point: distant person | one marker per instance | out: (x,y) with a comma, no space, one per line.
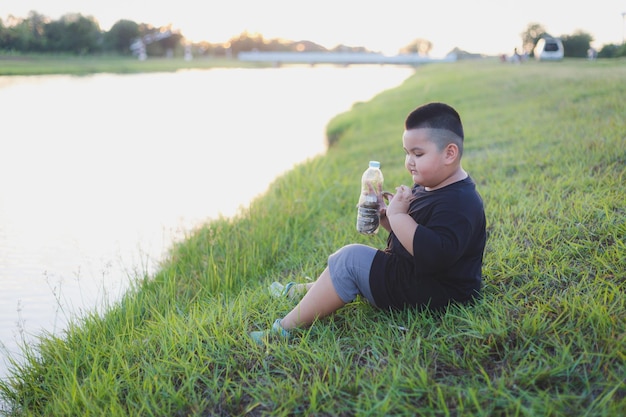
(436,242)
(592,54)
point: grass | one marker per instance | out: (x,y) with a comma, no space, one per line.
(46,64)
(546,144)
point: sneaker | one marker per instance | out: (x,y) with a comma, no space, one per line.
(279,290)
(276,330)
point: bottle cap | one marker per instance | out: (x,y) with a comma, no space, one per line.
(374,164)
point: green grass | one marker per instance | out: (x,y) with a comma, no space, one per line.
(546,143)
(46,64)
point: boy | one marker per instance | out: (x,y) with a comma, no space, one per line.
(436,242)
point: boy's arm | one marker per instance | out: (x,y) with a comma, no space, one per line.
(400,222)
(404,228)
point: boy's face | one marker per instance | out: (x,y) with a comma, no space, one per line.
(428,165)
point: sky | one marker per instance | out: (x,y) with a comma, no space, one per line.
(478,26)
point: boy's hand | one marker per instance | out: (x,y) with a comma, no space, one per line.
(383,198)
(399,203)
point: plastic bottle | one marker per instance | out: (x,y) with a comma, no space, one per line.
(368,219)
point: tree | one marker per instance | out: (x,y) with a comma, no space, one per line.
(24,34)
(84,34)
(55,35)
(36,24)
(171,43)
(612,51)
(73,33)
(120,36)
(14,35)
(161,41)
(418,46)
(576,45)
(4,35)
(246,42)
(531,35)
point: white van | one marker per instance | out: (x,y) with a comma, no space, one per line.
(548,49)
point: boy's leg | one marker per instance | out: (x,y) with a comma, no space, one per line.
(320,300)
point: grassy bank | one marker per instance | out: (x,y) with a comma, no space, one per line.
(32,64)
(546,144)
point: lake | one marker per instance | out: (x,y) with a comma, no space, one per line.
(100,174)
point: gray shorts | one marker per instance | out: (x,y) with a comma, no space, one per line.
(350,272)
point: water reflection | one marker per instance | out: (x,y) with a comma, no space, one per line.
(99,174)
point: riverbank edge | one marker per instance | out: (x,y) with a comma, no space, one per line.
(44,64)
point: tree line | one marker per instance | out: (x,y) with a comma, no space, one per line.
(77,34)
(81,35)
(575,45)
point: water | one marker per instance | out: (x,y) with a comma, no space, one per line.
(100,174)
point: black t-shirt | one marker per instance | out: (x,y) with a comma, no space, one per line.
(448,248)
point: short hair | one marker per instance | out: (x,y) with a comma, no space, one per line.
(438,116)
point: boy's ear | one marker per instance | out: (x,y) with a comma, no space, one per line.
(451,152)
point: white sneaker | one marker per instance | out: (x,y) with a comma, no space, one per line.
(279,290)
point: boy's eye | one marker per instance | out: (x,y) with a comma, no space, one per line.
(416,154)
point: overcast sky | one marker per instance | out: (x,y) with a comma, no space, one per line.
(482,26)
